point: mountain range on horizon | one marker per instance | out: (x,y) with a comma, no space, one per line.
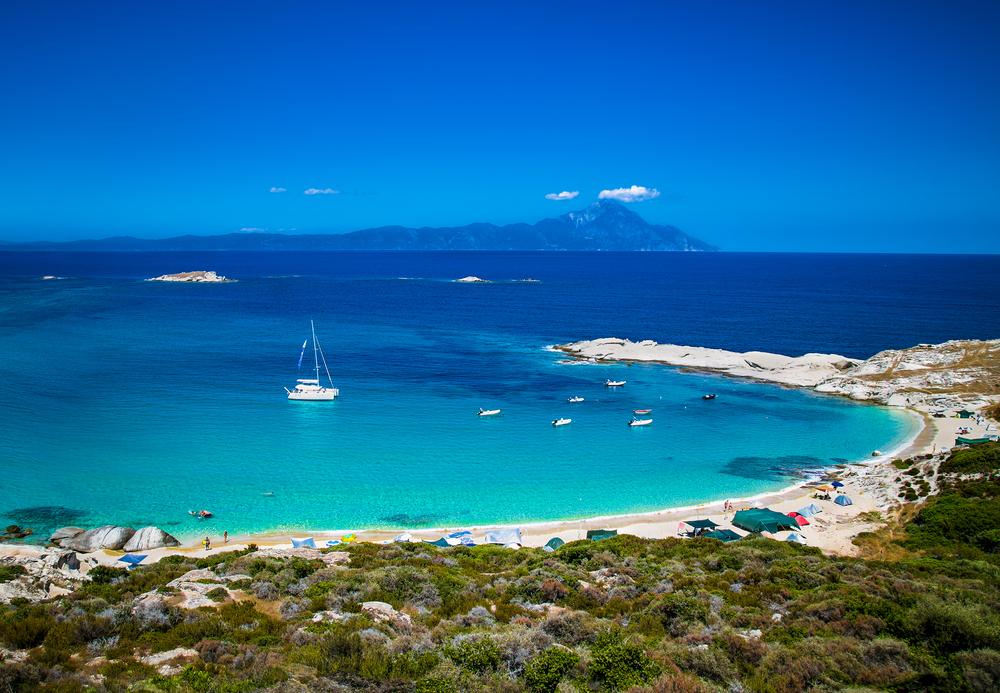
(604,225)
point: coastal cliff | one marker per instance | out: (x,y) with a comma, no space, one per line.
(928,377)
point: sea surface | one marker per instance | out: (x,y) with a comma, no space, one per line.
(132,402)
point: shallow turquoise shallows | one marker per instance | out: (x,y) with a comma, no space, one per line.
(132,403)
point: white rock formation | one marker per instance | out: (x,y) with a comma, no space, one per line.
(106,537)
(198,276)
(47,573)
(148,538)
(381,612)
(65,533)
(472,280)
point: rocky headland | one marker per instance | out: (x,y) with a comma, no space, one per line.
(928,377)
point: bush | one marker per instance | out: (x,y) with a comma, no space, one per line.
(543,673)
(9,572)
(979,459)
(476,654)
(219,594)
(618,665)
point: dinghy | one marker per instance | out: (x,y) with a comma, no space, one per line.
(562,422)
(640,412)
(708,396)
(640,422)
(574,400)
(614,383)
(489,412)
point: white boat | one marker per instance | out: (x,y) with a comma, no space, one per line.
(614,383)
(640,422)
(562,422)
(311,389)
(489,412)
(574,400)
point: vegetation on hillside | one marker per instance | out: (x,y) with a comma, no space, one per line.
(621,614)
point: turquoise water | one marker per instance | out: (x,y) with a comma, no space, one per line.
(130,403)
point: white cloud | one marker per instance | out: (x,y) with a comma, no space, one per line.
(321,191)
(275,188)
(637,193)
(564,195)
(252,229)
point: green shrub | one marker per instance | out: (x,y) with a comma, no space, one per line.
(478,655)
(9,572)
(979,459)
(618,665)
(219,594)
(543,673)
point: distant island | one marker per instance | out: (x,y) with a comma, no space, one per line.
(197,276)
(604,225)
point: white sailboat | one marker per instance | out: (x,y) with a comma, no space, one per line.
(311,389)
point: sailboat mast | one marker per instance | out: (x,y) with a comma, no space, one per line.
(315,349)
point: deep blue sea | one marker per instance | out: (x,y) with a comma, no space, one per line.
(131,402)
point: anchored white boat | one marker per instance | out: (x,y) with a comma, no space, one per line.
(311,389)
(640,422)
(574,400)
(614,383)
(490,412)
(562,422)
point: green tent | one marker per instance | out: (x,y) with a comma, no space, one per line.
(723,535)
(599,534)
(763,520)
(965,414)
(701,524)
(553,544)
(971,441)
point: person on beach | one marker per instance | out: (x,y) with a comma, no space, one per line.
(225,537)
(207,543)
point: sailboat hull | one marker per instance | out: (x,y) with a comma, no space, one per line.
(325,394)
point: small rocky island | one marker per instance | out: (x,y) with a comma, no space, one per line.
(472,280)
(200,276)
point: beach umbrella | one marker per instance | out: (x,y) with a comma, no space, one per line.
(837,484)
(825,487)
(843,500)
(132,559)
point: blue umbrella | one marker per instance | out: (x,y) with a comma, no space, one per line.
(133,559)
(837,484)
(843,500)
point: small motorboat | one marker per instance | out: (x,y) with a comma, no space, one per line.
(200,514)
(562,422)
(640,422)
(641,412)
(574,400)
(614,383)
(708,396)
(489,412)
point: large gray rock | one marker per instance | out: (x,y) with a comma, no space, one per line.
(106,537)
(65,533)
(150,538)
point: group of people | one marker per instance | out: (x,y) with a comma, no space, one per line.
(207,542)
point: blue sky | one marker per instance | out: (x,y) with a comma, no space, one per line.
(763,125)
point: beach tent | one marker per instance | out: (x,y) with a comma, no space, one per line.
(799,520)
(965,414)
(467,541)
(132,559)
(306,543)
(971,441)
(837,484)
(763,520)
(348,538)
(459,534)
(333,542)
(795,538)
(442,542)
(701,524)
(404,537)
(553,544)
(722,535)
(503,536)
(809,510)
(843,500)
(600,534)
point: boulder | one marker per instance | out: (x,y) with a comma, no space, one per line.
(106,537)
(62,560)
(380,612)
(65,533)
(150,538)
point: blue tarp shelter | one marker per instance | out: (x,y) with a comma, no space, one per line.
(763,520)
(307,543)
(132,559)
(843,500)
(442,542)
